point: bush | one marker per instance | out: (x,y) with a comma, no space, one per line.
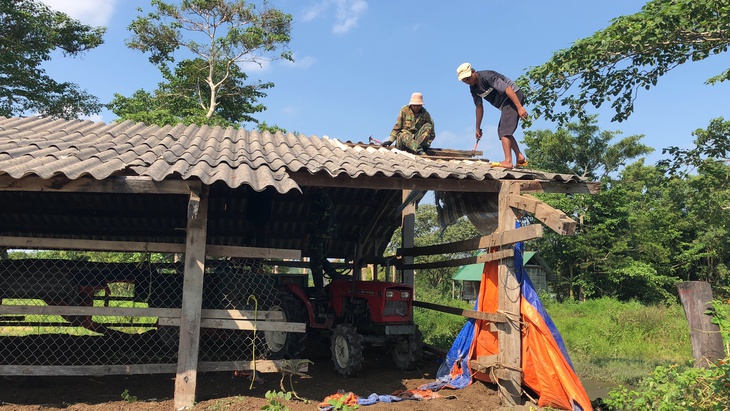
(678,388)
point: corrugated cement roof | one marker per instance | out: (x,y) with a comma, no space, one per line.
(47,147)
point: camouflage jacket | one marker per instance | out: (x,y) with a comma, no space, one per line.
(409,121)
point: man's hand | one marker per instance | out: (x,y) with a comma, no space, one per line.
(386,143)
(478,134)
(522,112)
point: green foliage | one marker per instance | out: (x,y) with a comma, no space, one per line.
(275,399)
(339,404)
(721,317)
(208,89)
(680,388)
(582,149)
(620,342)
(632,53)
(29,32)
(273,129)
(92,256)
(439,329)
(127,397)
(712,142)
(646,229)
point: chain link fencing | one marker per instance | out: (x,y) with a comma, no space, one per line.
(51,311)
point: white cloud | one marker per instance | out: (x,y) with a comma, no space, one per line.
(347,13)
(94,117)
(315,11)
(91,12)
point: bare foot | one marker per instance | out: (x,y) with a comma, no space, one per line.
(521,160)
(504,164)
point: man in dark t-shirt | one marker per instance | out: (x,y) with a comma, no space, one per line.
(503,94)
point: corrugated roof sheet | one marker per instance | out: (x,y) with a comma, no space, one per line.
(47,147)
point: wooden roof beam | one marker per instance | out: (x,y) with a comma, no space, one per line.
(551,217)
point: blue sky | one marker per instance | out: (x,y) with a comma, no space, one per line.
(358,61)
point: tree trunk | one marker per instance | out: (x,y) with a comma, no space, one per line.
(707,347)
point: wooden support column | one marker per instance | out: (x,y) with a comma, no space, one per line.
(192,299)
(696,298)
(509,334)
(408,226)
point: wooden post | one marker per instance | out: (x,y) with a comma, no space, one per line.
(509,334)
(192,299)
(707,347)
(408,225)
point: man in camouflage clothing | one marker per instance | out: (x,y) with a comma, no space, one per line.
(413,130)
(320,226)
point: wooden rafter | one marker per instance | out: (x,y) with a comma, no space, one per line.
(551,217)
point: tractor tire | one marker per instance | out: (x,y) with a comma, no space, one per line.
(407,350)
(282,344)
(346,346)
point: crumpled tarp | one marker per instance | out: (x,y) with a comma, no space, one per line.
(350,399)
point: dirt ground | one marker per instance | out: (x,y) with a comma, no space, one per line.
(223,391)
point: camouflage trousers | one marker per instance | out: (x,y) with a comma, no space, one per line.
(414,143)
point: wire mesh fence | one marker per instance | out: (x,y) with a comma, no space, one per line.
(80,309)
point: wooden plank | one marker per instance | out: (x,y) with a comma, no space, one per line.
(124,246)
(570,187)
(478,315)
(192,300)
(138,312)
(526,233)
(450,152)
(497,255)
(408,224)
(486,361)
(264,366)
(551,217)
(253,252)
(122,184)
(241,324)
(509,295)
(304,178)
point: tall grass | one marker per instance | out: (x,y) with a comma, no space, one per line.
(439,329)
(621,342)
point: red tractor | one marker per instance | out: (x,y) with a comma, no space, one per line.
(354,314)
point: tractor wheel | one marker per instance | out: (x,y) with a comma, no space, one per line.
(282,344)
(346,346)
(407,350)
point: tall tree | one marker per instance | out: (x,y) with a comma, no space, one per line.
(29,33)
(711,143)
(630,54)
(219,35)
(582,149)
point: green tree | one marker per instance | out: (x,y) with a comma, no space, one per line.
(582,149)
(427,232)
(632,53)
(29,33)
(209,87)
(712,142)
(604,257)
(171,103)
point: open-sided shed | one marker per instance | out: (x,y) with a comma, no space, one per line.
(202,193)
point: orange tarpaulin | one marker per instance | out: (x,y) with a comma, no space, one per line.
(546,370)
